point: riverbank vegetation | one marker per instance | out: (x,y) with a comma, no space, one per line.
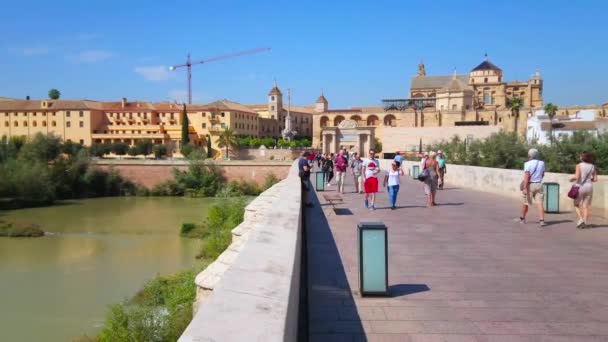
(43,169)
(17,229)
(162,310)
(508,151)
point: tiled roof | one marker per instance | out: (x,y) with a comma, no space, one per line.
(228,106)
(275,91)
(35,105)
(434,82)
(486,65)
(569,125)
(456,85)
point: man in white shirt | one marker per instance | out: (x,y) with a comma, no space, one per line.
(532,186)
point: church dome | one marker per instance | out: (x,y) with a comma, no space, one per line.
(486,65)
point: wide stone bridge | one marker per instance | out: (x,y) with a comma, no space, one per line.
(460,271)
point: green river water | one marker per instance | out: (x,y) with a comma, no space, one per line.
(102,251)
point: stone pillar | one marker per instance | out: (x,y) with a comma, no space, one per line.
(358,146)
(336,143)
(325,143)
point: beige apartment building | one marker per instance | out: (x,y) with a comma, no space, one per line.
(87,122)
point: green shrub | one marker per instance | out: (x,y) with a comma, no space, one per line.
(15,229)
(270,180)
(222,218)
(187,228)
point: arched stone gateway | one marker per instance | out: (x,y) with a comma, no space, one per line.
(338,119)
(324,121)
(347,135)
(390,120)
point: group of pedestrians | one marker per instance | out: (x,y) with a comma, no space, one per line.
(581,193)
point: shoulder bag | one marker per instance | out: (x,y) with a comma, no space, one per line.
(573,193)
(424,174)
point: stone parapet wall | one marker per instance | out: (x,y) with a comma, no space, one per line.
(152,172)
(251,292)
(506,183)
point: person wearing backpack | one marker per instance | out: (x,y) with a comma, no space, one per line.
(532,186)
(585,176)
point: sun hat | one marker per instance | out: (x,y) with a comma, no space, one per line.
(439,152)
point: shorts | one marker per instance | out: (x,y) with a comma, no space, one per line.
(585,196)
(535,194)
(370,185)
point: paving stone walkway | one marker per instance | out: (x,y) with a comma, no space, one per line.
(462,271)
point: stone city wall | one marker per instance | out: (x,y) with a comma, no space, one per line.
(506,183)
(152,172)
(251,292)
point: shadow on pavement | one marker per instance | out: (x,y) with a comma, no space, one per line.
(406,289)
(551,223)
(332,313)
(444,204)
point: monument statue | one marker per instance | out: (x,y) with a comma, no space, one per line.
(288,133)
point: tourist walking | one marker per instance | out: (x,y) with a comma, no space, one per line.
(392,182)
(430,169)
(328,168)
(304,173)
(532,187)
(355,169)
(370,170)
(442,168)
(584,176)
(340,165)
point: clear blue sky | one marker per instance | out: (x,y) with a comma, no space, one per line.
(357,51)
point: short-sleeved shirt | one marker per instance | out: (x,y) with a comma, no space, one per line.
(301,163)
(340,163)
(356,166)
(398,158)
(366,162)
(536,168)
(441,162)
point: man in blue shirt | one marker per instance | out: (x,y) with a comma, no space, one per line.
(442,168)
(304,173)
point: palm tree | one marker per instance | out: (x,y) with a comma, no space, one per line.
(550,110)
(515,104)
(227,139)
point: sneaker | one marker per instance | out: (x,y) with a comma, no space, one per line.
(519,220)
(366,203)
(393,208)
(372,208)
(328,184)
(580,224)
(542,223)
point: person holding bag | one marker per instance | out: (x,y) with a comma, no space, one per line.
(582,191)
(430,177)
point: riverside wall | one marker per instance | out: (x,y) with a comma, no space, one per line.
(251,292)
(506,183)
(152,172)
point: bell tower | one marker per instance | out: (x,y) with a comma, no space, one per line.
(275,102)
(421,71)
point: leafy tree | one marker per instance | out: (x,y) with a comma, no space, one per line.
(551,110)
(120,148)
(227,140)
(71,148)
(160,151)
(377,145)
(185,126)
(209,149)
(133,151)
(144,146)
(54,94)
(515,104)
(42,148)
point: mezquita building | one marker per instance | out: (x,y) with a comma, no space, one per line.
(439,106)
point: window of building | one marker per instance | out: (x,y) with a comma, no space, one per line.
(486,98)
(272,98)
(16,124)
(223,125)
(81,113)
(223,115)
(467,107)
(485,80)
(43,113)
(81,142)
(53,124)
(24,123)
(54,113)
(43,123)
(81,124)
(204,125)
(6,124)
(34,114)
(454,107)
(67,113)
(34,123)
